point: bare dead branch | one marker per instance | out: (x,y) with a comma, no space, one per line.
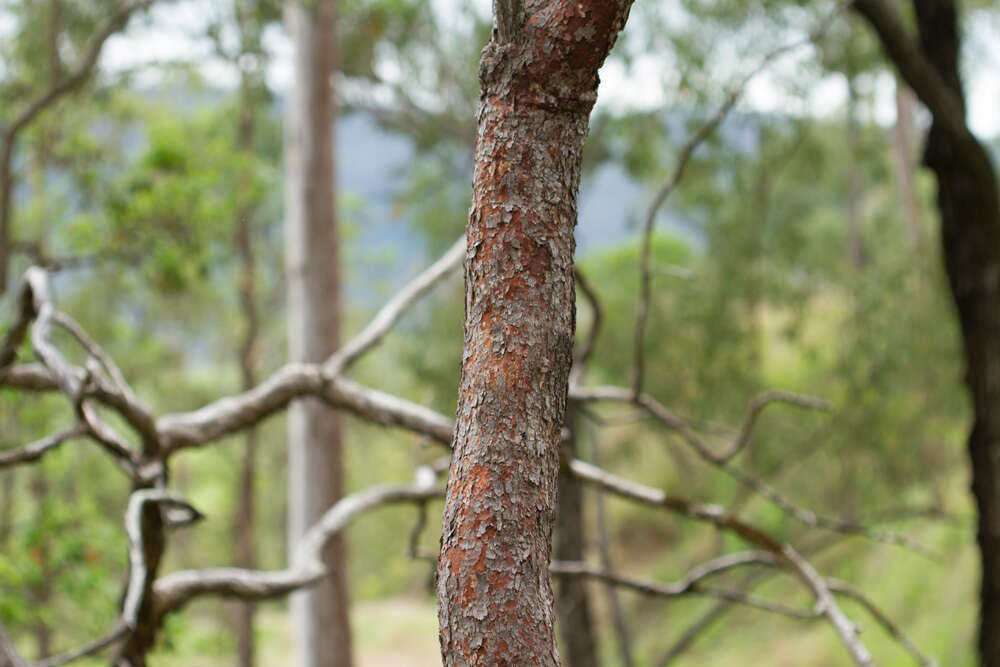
(232,414)
(28,377)
(826,605)
(686,585)
(9,657)
(757,405)
(69,382)
(897,633)
(93,647)
(138,568)
(69,379)
(35,450)
(656,589)
(810,518)
(674,422)
(175,590)
(119,392)
(721,460)
(390,313)
(12,339)
(784,554)
(509,19)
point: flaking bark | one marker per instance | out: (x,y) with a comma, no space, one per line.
(537,90)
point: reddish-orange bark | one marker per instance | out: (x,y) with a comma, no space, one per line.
(495,597)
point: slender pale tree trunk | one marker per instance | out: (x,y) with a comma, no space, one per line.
(244,528)
(904,141)
(538,79)
(41,594)
(855,242)
(320,622)
(8,485)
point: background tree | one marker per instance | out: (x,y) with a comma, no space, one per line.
(315,438)
(969,208)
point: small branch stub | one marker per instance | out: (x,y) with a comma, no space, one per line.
(509,19)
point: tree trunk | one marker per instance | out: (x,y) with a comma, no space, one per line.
(970,230)
(320,621)
(903,143)
(8,485)
(246,556)
(572,603)
(856,253)
(138,642)
(6,205)
(969,206)
(41,594)
(9,657)
(538,79)
(970,234)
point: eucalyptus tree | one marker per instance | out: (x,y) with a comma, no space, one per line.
(320,616)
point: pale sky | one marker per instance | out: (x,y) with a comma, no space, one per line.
(173,33)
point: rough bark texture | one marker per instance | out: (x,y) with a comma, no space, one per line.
(572,603)
(970,234)
(320,621)
(537,90)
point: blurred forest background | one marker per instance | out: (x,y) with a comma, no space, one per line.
(799,251)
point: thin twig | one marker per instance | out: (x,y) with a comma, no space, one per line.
(721,460)
(175,590)
(897,633)
(390,313)
(785,554)
(34,451)
(683,157)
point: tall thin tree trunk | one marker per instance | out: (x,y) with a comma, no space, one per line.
(42,593)
(244,527)
(8,485)
(538,79)
(572,602)
(320,621)
(622,633)
(855,242)
(904,140)
(6,204)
